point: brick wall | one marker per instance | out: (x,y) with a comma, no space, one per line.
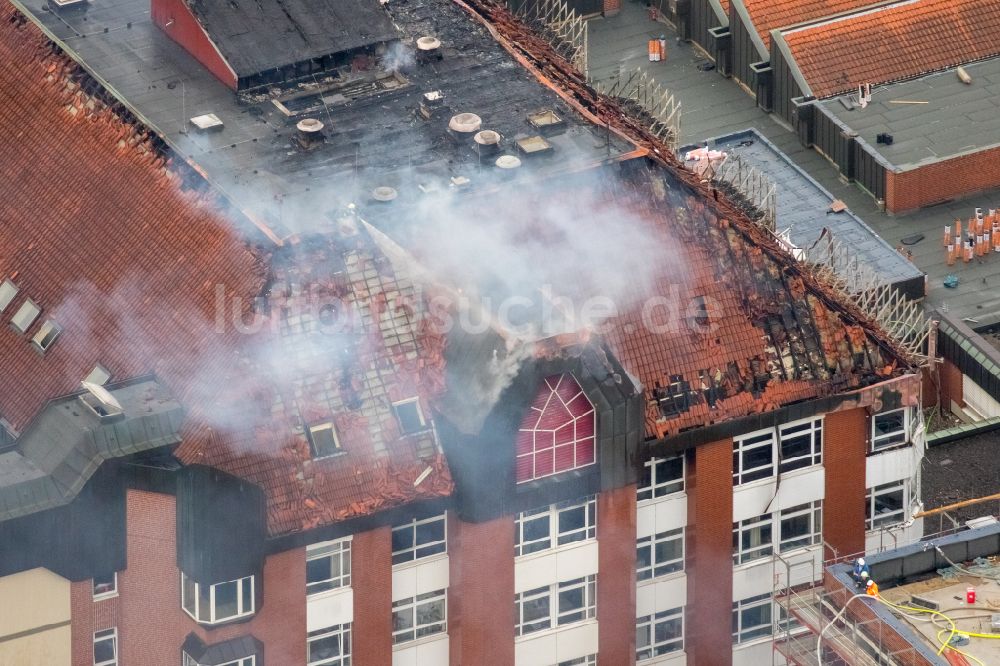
(943,180)
(612,7)
(616,515)
(371,571)
(951,385)
(881,632)
(481,591)
(844,447)
(709,540)
(147,612)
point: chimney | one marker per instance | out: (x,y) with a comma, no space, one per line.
(487,142)
(428,49)
(310,133)
(463,125)
(431,104)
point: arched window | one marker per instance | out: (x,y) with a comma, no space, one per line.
(557,433)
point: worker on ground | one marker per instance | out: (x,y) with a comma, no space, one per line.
(871,589)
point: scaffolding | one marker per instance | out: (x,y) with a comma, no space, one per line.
(564,29)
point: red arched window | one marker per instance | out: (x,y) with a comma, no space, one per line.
(557,433)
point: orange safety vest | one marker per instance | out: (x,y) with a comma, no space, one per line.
(872,589)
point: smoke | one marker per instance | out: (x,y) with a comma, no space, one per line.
(397,57)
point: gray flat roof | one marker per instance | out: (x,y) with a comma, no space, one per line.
(957,119)
(375,139)
(803,207)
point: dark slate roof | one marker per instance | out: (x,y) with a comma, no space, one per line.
(373,140)
(66,443)
(261,35)
(803,206)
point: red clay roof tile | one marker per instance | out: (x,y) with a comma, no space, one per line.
(768,15)
(96,229)
(899,41)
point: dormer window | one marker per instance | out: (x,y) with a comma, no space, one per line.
(46,335)
(410,416)
(674,398)
(323,440)
(8,290)
(25,316)
(101,402)
(99,375)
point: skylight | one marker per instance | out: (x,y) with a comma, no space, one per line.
(25,316)
(99,375)
(46,335)
(8,290)
(323,440)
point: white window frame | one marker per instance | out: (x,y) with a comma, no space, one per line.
(107,594)
(242,661)
(8,292)
(245,607)
(557,615)
(656,568)
(589,660)
(649,647)
(745,634)
(889,440)
(104,635)
(886,519)
(420,415)
(339,550)
(28,314)
(341,630)
(660,485)
(551,516)
(753,552)
(812,428)
(814,514)
(315,428)
(46,335)
(761,439)
(414,605)
(418,551)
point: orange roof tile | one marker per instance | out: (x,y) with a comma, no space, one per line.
(897,42)
(767,15)
(100,232)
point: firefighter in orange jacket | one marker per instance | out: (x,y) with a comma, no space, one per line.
(872,588)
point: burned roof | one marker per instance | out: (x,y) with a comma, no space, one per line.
(892,42)
(264,35)
(143,275)
(375,133)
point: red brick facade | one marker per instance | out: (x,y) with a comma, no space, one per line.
(845,445)
(616,520)
(481,629)
(951,385)
(371,571)
(709,560)
(87,617)
(947,179)
(612,7)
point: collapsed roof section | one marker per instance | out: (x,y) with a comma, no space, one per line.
(246,44)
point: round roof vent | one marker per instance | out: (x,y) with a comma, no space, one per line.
(384,193)
(309,125)
(428,43)
(465,122)
(487,138)
(508,162)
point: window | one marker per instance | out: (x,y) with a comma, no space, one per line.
(25,316)
(8,290)
(210,604)
(106,647)
(752,539)
(660,477)
(658,634)
(105,586)
(557,432)
(800,526)
(885,505)
(555,605)
(589,660)
(753,457)
(660,555)
(555,525)
(46,335)
(674,398)
(801,444)
(419,538)
(889,429)
(328,566)
(787,622)
(752,618)
(419,616)
(409,416)
(188,660)
(330,646)
(323,440)
(99,375)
